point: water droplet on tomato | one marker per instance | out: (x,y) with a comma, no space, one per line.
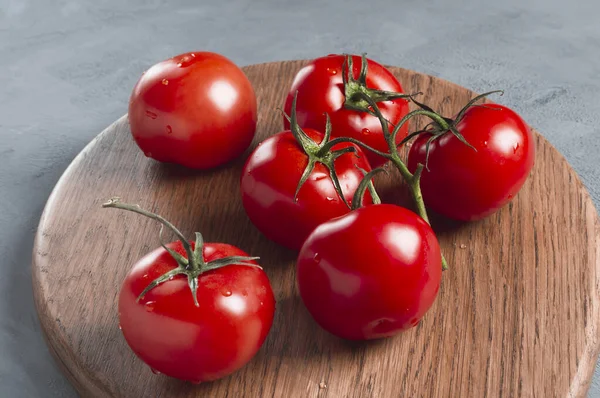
(165,82)
(145,276)
(244,293)
(317,257)
(187,60)
(150,306)
(169,129)
(226,293)
(366,131)
(515,147)
(329,198)
(332,72)
(151,115)
(485,143)
(261,303)
(120,327)
(156,372)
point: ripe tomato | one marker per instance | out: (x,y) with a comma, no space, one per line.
(270,178)
(196,343)
(465,184)
(192,310)
(370,273)
(321,90)
(196,109)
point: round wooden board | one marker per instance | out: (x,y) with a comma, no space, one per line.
(518,312)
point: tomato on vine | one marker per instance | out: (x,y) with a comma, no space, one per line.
(470,182)
(295,180)
(370,273)
(192,310)
(334,85)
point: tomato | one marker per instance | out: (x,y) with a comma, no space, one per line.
(321,90)
(192,310)
(270,178)
(370,273)
(196,109)
(465,184)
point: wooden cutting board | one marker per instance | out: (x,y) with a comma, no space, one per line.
(518,312)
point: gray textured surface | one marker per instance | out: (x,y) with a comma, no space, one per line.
(67,68)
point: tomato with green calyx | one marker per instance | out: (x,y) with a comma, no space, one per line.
(370,273)
(196,109)
(470,182)
(192,310)
(293,181)
(334,85)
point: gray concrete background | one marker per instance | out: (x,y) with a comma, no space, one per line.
(67,69)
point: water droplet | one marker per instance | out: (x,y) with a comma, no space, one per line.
(317,257)
(165,82)
(244,293)
(145,276)
(156,372)
(120,327)
(169,129)
(148,154)
(332,71)
(151,115)
(150,306)
(261,303)
(515,147)
(366,131)
(329,198)
(186,60)
(226,293)
(485,143)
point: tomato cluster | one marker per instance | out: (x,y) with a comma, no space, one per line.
(365,269)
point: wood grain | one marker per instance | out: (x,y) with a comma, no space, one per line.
(518,312)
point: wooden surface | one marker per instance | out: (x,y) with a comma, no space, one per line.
(518,312)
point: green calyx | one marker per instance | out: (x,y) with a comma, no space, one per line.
(441,125)
(191,266)
(356,89)
(317,153)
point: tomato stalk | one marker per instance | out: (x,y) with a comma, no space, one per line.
(317,153)
(192,266)
(356,89)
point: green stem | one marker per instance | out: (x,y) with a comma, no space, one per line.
(116,204)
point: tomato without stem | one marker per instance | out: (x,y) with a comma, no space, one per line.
(321,90)
(370,273)
(466,184)
(196,109)
(270,178)
(196,343)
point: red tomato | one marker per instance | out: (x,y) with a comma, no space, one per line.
(196,343)
(270,178)
(370,273)
(321,90)
(195,109)
(464,184)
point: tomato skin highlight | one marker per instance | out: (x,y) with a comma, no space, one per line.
(370,273)
(468,185)
(195,109)
(321,90)
(270,178)
(174,337)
